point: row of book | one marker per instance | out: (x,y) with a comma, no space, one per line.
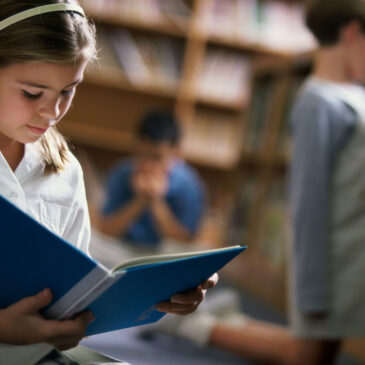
(274,24)
(145,10)
(224,75)
(265,124)
(143,59)
(270,100)
(271,235)
(153,59)
(214,138)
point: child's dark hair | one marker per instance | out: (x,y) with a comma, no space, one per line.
(160,126)
(325,18)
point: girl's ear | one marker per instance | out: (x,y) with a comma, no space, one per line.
(350,32)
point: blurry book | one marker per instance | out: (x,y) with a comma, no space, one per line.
(145,60)
(284,138)
(130,57)
(273,24)
(259,113)
(272,244)
(214,138)
(241,209)
(224,76)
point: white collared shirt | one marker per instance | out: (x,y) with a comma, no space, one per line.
(57,200)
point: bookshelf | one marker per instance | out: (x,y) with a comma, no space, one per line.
(219,66)
(172,52)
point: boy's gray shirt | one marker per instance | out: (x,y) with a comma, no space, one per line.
(323,125)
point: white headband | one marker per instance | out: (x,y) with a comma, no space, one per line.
(50,8)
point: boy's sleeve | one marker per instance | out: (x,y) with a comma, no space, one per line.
(193,210)
(318,134)
(117,189)
(190,204)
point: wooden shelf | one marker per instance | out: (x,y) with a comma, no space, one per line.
(115,78)
(230,105)
(255,48)
(227,163)
(100,137)
(274,66)
(165,25)
(124,142)
(236,105)
(279,160)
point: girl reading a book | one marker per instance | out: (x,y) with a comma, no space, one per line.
(45,47)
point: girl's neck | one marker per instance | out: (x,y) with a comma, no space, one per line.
(330,65)
(13,152)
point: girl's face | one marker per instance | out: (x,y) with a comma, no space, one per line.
(35,96)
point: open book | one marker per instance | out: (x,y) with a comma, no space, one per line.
(33,258)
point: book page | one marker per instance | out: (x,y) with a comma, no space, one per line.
(146,260)
(83,293)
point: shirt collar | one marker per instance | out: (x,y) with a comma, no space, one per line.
(352,94)
(32,158)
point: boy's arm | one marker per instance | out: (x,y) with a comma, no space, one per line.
(125,201)
(181,222)
(316,131)
(167,223)
(117,223)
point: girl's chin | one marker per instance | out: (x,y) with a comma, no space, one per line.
(29,139)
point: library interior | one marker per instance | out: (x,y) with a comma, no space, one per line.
(228,72)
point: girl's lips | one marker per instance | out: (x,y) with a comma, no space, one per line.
(37,130)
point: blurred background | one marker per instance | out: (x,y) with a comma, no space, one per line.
(228,69)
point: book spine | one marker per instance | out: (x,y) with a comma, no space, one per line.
(82,294)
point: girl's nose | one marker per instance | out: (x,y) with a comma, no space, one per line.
(50,110)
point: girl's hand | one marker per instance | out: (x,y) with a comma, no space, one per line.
(187,302)
(21,324)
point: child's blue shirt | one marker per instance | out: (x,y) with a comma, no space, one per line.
(185,197)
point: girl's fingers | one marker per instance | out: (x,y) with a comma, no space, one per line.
(35,302)
(178,309)
(211,282)
(191,296)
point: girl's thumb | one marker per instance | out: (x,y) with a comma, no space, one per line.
(35,302)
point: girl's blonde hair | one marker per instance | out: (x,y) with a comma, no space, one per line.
(57,37)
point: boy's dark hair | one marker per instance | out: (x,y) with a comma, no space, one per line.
(325,18)
(159,126)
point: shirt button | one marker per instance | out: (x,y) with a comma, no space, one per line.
(13,195)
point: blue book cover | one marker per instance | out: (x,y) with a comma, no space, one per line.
(33,258)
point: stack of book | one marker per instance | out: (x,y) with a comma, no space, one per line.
(274,24)
(151,11)
(143,59)
(241,210)
(272,244)
(214,138)
(260,112)
(224,76)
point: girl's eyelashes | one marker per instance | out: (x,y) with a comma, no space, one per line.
(31,96)
(68,92)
